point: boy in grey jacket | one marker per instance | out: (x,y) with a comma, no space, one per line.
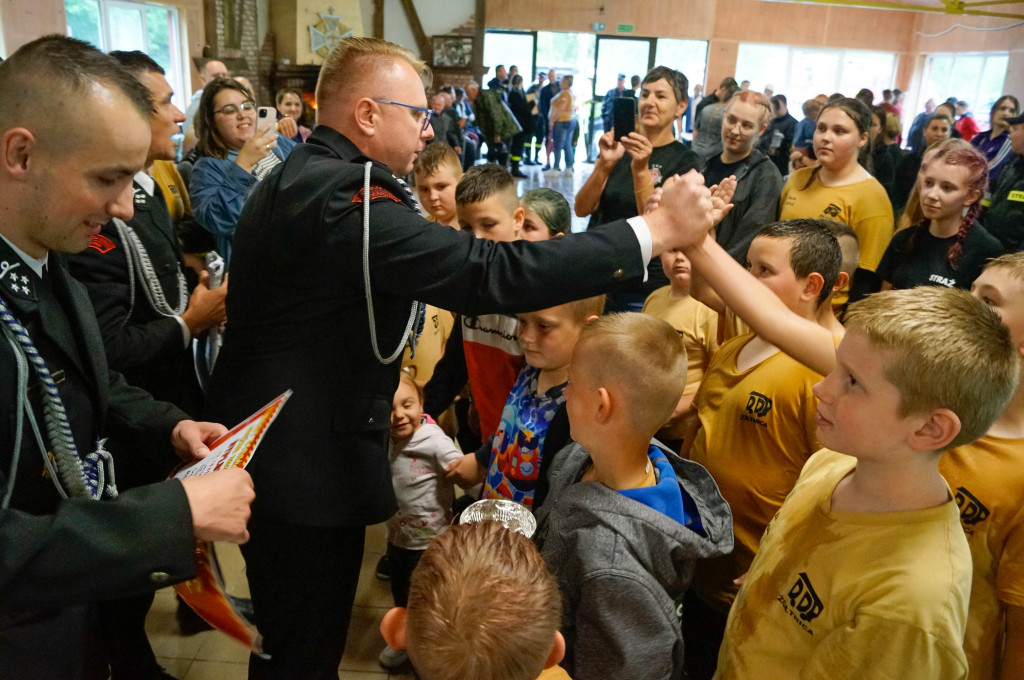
(625,518)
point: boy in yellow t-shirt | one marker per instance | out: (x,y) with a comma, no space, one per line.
(437,171)
(864,571)
(987,478)
(696,323)
(481,605)
(755,415)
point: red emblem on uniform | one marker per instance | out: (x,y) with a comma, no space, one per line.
(376,194)
(102,243)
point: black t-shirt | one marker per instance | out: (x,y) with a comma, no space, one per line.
(618,200)
(716,170)
(927,265)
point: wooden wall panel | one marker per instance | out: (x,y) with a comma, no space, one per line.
(23,21)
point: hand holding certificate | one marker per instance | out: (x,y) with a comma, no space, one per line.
(205,593)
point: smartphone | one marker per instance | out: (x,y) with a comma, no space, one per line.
(266,115)
(623,116)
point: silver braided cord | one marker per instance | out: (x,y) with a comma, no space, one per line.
(138,260)
(366,277)
(73,477)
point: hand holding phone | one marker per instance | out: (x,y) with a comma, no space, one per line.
(266,115)
(623,116)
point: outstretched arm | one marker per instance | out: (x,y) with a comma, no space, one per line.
(589,195)
(802,339)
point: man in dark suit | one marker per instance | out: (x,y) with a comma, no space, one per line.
(304,317)
(135,277)
(73,131)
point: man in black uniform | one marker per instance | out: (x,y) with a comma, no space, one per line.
(73,131)
(134,274)
(330,253)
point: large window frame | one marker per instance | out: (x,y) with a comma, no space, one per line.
(96,21)
(969,76)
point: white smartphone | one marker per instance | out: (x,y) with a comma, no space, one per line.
(266,115)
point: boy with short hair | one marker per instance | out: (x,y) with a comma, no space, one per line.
(437,171)
(755,413)
(626,519)
(988,482)
(696,323)
(864,572)
(481,605)
(514,460)
(481,348)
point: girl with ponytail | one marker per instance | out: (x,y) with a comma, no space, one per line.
(839,188)
(946,246)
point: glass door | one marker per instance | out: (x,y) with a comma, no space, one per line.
(628,56)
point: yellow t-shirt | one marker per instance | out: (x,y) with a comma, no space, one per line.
(173,187)
(864,206)
(844,595)
(987,478)
(731,326)
(756,432)
(430,345)
(696,323)
(556,672)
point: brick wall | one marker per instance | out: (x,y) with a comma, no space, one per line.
(246,58)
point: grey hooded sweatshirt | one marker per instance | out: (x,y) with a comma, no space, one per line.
(622,566)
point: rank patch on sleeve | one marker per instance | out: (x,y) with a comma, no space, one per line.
(102,243)
(376,194)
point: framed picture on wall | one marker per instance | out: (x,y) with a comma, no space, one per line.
(453,51)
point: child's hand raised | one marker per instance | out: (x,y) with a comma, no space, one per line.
(465,472)
(721,195)
(684,213)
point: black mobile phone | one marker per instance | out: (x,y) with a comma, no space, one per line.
(623,116)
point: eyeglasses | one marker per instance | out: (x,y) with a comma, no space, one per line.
(231,109)
(427,113)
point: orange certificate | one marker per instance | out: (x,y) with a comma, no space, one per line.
(205,593)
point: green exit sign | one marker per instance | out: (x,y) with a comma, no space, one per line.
(625,28)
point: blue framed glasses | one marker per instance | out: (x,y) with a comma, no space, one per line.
(427,113)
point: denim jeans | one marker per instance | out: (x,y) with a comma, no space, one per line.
(562,139)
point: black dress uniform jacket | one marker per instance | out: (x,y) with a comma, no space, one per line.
(57,556)
(298,319)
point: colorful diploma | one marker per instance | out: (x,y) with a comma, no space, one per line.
(205,593)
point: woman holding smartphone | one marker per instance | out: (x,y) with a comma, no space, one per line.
(233,157)
(628,170)
(839,188)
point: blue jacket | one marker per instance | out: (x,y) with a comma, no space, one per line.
(219,189)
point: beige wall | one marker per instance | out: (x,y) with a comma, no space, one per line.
(725,23)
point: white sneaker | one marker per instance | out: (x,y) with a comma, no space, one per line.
(392,658)
(553,172)
(567,172)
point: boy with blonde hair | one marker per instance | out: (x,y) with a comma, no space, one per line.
(514,460)
(987,478)
(864,572)
(755,409)
(481,605)
(625,519)
(437,171)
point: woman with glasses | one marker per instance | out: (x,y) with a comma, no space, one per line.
(233,157)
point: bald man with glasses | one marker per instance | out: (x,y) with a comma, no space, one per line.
(330,255)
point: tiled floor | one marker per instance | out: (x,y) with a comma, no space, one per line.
(212,655)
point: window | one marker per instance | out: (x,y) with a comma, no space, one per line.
(688,56)
(974,78)
(508,48)
(801,73)
(125,25)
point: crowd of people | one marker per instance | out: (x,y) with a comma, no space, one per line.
(765,411)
